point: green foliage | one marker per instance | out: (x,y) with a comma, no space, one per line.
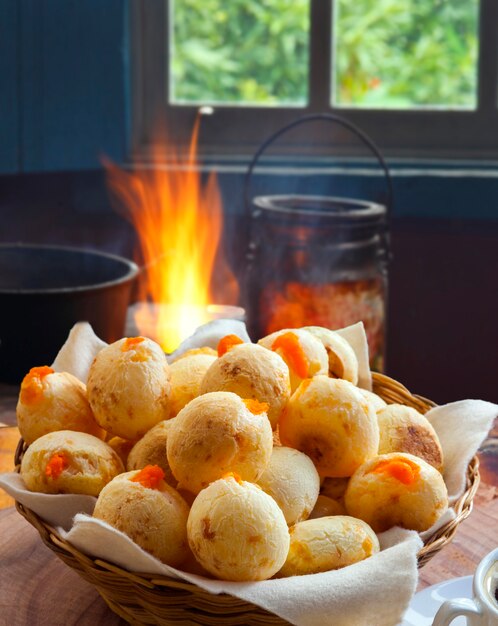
(400,53)
(240,51)
(388,53)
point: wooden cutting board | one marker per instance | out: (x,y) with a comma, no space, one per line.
(37,589)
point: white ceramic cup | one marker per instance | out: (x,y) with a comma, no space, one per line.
(482,610)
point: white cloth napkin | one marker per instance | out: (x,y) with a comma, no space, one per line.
(463,426)
(56,509)
(374,592)
(210,334)
(371,593)
(356,336)
(78,352)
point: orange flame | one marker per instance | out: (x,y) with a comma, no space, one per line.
(179,221)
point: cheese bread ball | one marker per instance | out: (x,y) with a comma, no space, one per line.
(186,376)
(327,543)
(329,420)
(343,362)
(376,401)
(122,447)
(216,433)
(304,354)
(334,488)
(292,481)
(193,351)
(326,506)
(237,531)
(128,387)
(50,401)
(153,514)
(69,462)
(397,489)
(251,371)
(151,450)
(404,429)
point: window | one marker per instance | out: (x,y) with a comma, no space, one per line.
(419,76)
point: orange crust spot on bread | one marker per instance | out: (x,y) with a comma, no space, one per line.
(31,386)
(367,545)
(150,476)
(403,470)
(289,344)
(227,343)
(207,533)
(56,465)
(131,342)
(233,475)
(255,406)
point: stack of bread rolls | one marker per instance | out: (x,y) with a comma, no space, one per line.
(255,461)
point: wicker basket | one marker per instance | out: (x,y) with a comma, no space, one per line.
(145,599)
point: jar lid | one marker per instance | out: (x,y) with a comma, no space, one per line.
(325,210)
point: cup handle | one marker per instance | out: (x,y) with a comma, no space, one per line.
(451,609)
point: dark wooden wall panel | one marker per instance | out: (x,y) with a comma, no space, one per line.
(9,86)
(74,82)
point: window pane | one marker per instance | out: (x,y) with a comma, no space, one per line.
(406,53)
(234,51)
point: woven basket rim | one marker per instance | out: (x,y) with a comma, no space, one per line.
(389,389)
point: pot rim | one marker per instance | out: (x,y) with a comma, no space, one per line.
(288,204)
(131,273)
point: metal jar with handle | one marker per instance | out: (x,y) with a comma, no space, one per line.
(318,260)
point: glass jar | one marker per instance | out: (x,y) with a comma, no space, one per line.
(318,261)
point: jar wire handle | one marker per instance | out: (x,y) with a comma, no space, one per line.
(327,117)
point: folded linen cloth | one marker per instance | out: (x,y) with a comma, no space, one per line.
(58,510)
(374,592)
(78,352)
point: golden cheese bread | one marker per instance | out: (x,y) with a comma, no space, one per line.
(151,450)
(343,362)
(187,374)
(304,354)
(237,531)
(327,543)
(397,489)
(216,433)
(375,400)
(404,429)
(129,387)
(50,401)
(329,420)
(153,514)
(251,371)
(325,507)
(66,461)
(292,481)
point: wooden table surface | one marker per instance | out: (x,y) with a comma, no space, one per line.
(37,589)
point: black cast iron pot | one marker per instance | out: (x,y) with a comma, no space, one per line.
(45,290)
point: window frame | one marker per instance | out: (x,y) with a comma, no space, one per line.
(421,133)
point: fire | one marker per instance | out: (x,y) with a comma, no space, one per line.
(179,222)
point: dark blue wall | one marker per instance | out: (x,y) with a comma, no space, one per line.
(64,83)
(9,85)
